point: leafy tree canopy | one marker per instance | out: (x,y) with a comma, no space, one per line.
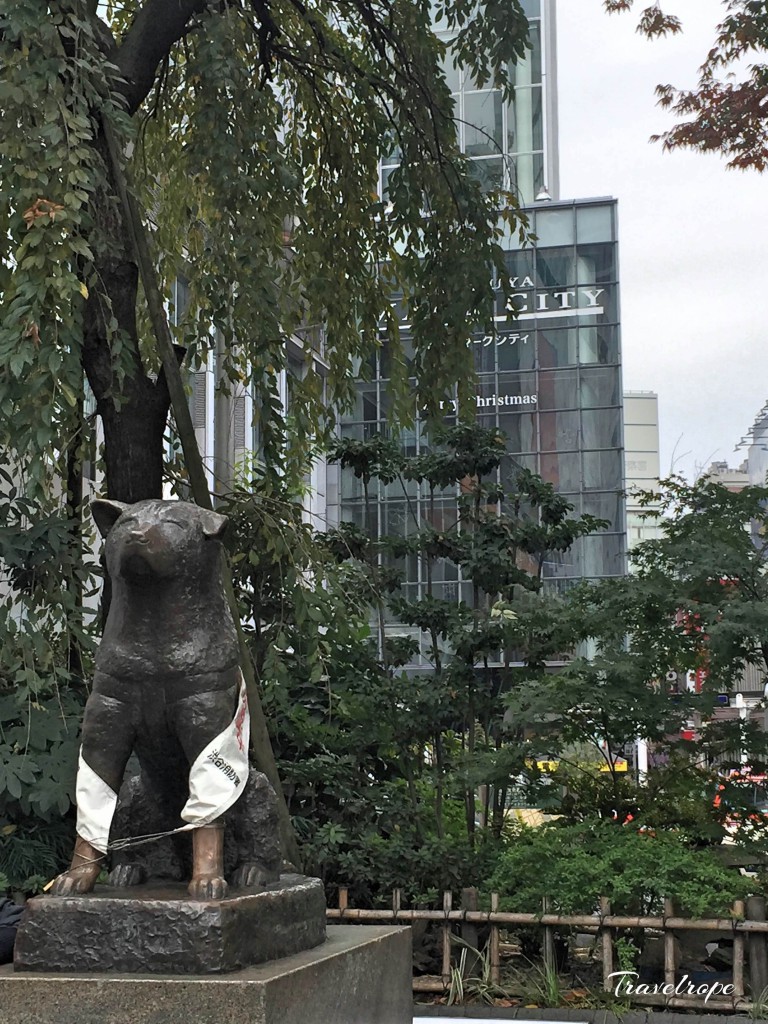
(693,610)
(251,132)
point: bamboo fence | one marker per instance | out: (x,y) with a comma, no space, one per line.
(747,926)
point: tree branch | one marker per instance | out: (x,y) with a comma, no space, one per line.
(157,26)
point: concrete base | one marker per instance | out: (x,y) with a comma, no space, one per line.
(154,930)
(360,975)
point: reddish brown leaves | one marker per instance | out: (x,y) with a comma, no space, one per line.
(730,118)
(722,114)
(654,23)
(41,208)
(31,330)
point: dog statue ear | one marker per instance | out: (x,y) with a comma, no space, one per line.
(106,513)
(214,523)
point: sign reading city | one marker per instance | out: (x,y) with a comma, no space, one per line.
(527,303)
(547,305)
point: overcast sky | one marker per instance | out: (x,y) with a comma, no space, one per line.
(692,235)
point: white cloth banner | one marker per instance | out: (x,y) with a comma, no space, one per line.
(216,780)
(96,803)
(220,772)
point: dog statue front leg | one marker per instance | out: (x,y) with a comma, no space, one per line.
(208,882)
(83,871)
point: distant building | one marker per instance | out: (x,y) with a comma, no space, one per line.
(757,453)
(732,479)
(550,379)
(641,462)
(746,699)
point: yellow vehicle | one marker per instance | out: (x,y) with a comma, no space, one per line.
(549,766)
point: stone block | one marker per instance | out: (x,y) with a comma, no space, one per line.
(156,930)
(359,975)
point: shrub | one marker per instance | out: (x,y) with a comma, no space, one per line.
(577,864)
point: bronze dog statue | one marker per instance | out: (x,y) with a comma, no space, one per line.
(168,688)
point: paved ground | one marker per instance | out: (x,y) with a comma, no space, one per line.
(494,1015)
(468,1020)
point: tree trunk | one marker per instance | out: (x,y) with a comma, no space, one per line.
(133,444)
(133,427)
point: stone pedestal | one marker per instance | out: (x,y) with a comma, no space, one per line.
(359,975)
(155,930)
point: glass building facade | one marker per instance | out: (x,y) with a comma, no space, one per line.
(511,145)
(550,379)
